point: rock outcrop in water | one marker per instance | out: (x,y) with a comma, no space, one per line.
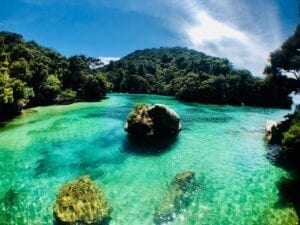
(81,202)
(270,129)
(177,197)
(152,121)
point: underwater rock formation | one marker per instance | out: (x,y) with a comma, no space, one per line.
(177,197)
(152,121)
(7,206)
(10,198)
(81,202)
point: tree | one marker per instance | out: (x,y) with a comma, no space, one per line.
(20,90)
(50,88)
(78,67)
(287,57)
(135,84)
(195,76)
(94,87)
(6,91)
(141,70)
(30,73)
(187,87)
(20,69)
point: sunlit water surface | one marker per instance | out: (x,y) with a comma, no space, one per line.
(47,146)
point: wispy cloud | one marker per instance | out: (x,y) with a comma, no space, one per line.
(224,35)
(102,61)
(243,31)
(106,60)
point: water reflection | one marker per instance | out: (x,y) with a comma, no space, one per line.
(150,146)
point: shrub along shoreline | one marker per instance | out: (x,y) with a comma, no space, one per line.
(32,75)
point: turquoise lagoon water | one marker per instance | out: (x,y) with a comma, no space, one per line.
(47,146)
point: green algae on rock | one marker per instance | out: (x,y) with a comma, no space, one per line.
(148,121)
(139,122)
(81,202)
(278,215)
(177,197)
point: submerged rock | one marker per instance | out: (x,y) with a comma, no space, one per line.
(149,121)
(177,197)
(9,207)
(10,198)
(81,202)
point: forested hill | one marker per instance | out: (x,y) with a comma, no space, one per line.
(195,76)
(32,75)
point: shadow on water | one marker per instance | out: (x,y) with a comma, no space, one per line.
(7,204)
(9,198)
(47,166)
(148,146)
(114,113)
(94,170)
(289,193)
(104,222)
(273,154)
(80,161)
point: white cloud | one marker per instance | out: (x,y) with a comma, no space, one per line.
(220,39)
(106,60)
(241,30)
(102,61)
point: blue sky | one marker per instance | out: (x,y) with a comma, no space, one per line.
(242,30)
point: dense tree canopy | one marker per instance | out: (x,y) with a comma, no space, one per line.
(34,75)
(287,57)
(194,76)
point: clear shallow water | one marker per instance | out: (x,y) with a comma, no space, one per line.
(47,146)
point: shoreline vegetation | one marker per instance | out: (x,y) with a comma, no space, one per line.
(286,135)
(32,75)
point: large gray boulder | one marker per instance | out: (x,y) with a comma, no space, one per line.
(153,121)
